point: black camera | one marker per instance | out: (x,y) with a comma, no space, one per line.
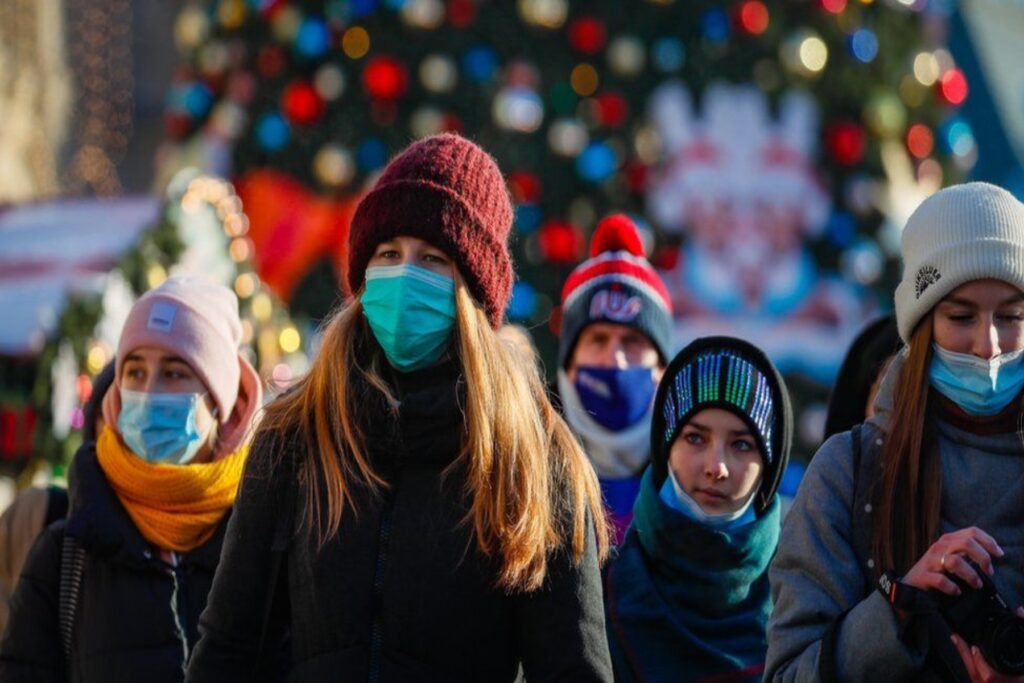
(982,618)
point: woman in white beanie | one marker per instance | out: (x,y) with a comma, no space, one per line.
(918,512)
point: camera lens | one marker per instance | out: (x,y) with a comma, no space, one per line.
(1007,646)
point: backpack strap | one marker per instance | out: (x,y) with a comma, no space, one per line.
(72,570)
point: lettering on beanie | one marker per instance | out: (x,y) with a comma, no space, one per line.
(161,317)
(615,305)
(926,277)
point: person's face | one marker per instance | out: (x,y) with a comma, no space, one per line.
(608,345)
(412,251)
(155,371)
(716,460)
(984,318)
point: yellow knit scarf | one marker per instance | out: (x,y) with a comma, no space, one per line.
(175,507)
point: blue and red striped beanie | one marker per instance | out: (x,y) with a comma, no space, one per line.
(616,285)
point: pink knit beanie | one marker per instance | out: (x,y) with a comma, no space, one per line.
(198,320)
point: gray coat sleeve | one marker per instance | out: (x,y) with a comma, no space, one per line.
(816,580)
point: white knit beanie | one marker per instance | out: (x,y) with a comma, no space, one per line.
(973,231)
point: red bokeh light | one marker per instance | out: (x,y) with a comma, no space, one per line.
(953,86)
(561,242)
(845,142)
(301,103)
(754,17)
(833,6)
(385,78)
(920,140)
(461,13)
(525,187)
(587,35)
(612,109)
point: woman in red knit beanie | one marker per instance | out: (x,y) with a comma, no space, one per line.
(414,509)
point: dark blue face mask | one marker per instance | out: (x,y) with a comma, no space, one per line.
(614,397)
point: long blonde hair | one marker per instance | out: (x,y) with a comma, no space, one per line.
(531,488)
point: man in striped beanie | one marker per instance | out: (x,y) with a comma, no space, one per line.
(616,338)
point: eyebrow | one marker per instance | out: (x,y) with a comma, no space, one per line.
(967,303)
(704,428)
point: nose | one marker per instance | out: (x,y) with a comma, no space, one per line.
(985,342)
(714,464)
(619,359)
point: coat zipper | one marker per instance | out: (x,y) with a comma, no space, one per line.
(177,605)
(377,635)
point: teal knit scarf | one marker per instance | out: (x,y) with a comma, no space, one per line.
(688,603)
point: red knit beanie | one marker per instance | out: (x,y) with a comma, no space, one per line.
(449,192)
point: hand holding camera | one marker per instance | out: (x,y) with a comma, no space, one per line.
(989,636)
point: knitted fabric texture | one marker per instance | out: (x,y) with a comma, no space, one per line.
(197,320)
(685,602)
(973,231)
(734,375)
(449,192)
(174,507)
(616,285)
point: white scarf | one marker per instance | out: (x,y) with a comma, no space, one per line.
(614,455)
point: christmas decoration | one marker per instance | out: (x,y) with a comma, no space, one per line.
(565,97)
(68,299)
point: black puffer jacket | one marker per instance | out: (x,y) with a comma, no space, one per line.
(137,616)
(401,593)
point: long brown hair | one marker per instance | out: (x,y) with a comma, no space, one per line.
(531,489)
(909,494)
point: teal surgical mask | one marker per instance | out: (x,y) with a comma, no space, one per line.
(979,386)
(160,428)
(411,312)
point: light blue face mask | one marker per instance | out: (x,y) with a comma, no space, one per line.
(160,428)
(674,496)
(411,312)
(980,387)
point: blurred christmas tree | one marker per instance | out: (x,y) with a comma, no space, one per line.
(309,99)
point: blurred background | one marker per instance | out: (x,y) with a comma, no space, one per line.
(771,150)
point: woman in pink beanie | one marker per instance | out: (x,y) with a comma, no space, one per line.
(114,592)
(415,510)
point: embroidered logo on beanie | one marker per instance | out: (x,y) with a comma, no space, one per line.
(161,317)
(926,277)
(615,305)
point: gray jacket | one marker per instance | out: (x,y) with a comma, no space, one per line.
(817,576)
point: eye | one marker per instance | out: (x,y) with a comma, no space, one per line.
(693,438)
(1012,316)
(960,317)
(388,254)
(133,372)
(743,445)
(435,258)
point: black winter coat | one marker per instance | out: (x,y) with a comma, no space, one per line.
(401,593)
(137,616)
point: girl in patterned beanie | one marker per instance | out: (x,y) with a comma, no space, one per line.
(687,598)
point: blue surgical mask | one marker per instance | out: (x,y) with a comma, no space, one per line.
(411,312)
(160,428)
(616,398)
(979,386)
(673,495)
